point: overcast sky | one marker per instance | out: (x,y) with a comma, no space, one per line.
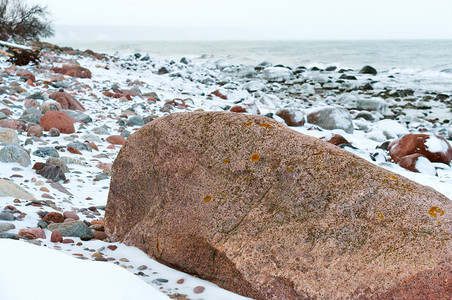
(265,19)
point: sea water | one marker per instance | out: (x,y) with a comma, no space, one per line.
(422,63)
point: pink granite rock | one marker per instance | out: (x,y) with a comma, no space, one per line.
(270,213)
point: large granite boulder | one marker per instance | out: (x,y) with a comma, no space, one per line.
(269,213)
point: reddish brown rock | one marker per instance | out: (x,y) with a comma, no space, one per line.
(220,95)
(67,101)
(100,235)
(58,120)
(291,117)
(27,74)
(434,147)
(93,146)
(19,125)
(74,150)
(56,237)
(68,241)
(53,217)
(32,233)
(34,131)
(307,220)
(238,109)
(6,111)
(116,140)
(73,71)
(337,140)
(112,247)
(410,162)
(71,214)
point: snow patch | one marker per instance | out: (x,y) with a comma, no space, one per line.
(436,145)
(424,166)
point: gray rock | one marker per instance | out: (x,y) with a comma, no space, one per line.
(6,226)
(6,216)
(331,117)
(78,115)
(15,153)
(101,130)
(91,138)
(72,229)
(185,60)
(7,235)
(277,74)
(46,152)
(368,70)
(162,71)
(254,86)
(135,121)
(2,115)
(125,133)
(10,189)
(8,135)
(42,224)
(145,58)
(373,104)
(80,146)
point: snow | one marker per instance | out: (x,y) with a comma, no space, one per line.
(423,165)
(436,145)
(15,45)
(34,272)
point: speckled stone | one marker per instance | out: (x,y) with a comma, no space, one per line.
(287,216)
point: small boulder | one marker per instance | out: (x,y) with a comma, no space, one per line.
(32,233)
(417,163)
(368,70)
(10,189)
(71,214)
(56,237)
(15,153)
(52,172)
(434,147)
(277,74)
(331,117)
(35,131)
(67,101)
(73,229)
(9,136)
(53,217)
(116,140)
(18,125)
(59,120)
(73,71)
(292,117)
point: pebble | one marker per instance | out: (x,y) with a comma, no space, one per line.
(199,289)
(142,267)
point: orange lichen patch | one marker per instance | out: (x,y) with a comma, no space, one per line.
(393,177)
(434,211)
(266,125)
(226,161)
(290,169)
(255,157)
(207,198)
(380,215)
(249,123)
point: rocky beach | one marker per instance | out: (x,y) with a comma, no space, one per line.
(64,122)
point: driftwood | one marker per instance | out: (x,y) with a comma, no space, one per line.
(19,54)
